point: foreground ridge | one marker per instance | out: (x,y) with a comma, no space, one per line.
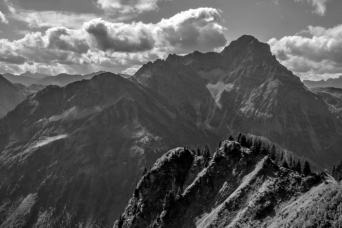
(235,188)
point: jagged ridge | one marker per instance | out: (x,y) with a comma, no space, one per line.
(236,189)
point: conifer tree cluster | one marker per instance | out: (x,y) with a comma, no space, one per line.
(259,146)
(337,171)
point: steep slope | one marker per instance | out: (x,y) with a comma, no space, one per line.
(331,82)
(181,87)
(236,189)
(250,92)
(71,156)
(332,96)
(10,96)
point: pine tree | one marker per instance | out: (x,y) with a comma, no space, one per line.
(136,193)
(291,164)
(231,138)
(198,151)
(285,165)
(244,141)
(306,169)
(121,222)
(144,172)
(239,137)
(273,153)
(299,167)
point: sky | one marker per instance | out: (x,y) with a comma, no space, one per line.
(83,36)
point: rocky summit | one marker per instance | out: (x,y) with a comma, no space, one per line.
(236,188)
(251,92)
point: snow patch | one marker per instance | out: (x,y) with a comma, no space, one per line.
(50,140)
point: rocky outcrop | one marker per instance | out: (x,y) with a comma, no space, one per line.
(236,189)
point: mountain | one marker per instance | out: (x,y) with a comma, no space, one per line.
(332,96)
(33,75)
(237,188)
(71,156)
(28,90)
(331,82)
(245,89)
(10,96)
(27,81)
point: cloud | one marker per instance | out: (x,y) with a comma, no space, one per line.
(320,5)
(317,55)
(50,19)
(3,18)
(115,46)
(128,6)
(120,37)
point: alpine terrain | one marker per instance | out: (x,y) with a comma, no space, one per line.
(80,155)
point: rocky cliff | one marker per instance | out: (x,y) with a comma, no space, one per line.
(237,188)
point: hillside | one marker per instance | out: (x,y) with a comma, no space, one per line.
(72,155)
(10,96)
(236,188)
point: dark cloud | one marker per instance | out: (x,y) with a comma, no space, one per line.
(63,39)
(110,37)
(13,59)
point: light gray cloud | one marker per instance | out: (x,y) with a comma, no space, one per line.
(3,18)
(318,54)
(320,5)
(128,6)
(100,44)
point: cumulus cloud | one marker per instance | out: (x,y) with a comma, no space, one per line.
(128,6)
(320,5)
(114,46)
(317,55)
(3,18)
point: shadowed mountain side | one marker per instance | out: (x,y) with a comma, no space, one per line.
(78,154)
(10,95)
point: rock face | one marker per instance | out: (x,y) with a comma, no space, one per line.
(71,156)
(250,92)
(10,96)
(236,189)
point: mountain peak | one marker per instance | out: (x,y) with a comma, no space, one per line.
(251,45)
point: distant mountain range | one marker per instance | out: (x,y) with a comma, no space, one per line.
(73,156)
(331,82)
(28,78)
(12,94)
